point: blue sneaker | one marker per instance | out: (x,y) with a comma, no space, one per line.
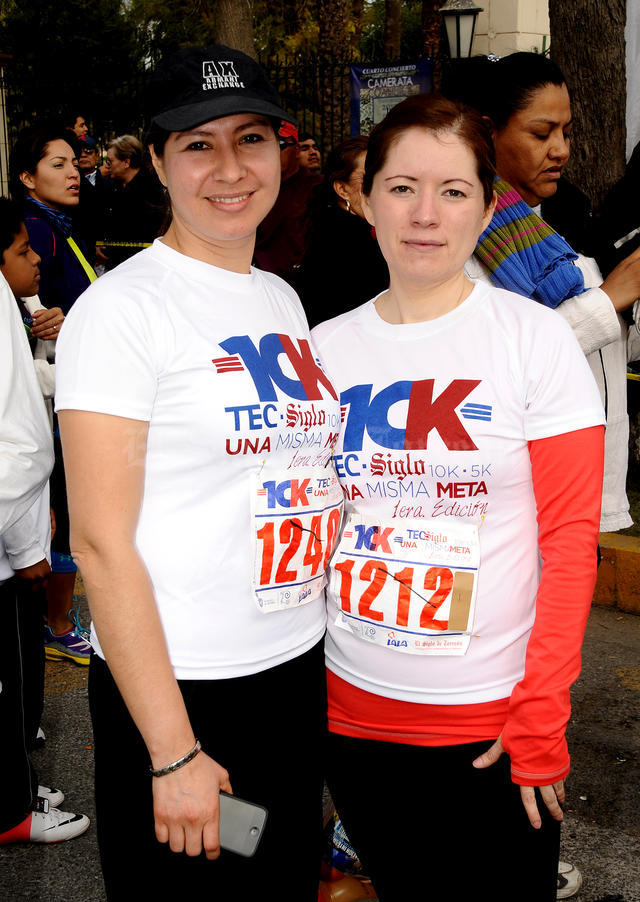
(73,644)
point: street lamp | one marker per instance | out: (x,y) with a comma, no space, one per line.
(460,19)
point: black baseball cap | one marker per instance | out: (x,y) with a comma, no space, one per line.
(202,83)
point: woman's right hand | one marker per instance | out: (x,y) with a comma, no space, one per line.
(105,459)
(186,806)
(622,285)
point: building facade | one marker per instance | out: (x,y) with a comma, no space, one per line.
(506,26)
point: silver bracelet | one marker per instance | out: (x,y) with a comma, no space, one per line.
(169,769)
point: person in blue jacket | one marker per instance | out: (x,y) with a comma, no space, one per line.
(45,173)
(45,176)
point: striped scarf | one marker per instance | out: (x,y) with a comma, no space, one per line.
(524,254)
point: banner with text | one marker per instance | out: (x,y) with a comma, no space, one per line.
(374,90)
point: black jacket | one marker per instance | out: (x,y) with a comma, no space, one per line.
(133,214)
(343,266)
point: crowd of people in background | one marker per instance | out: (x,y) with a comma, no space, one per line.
(80,209)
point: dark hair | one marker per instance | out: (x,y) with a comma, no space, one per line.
(11,220)
(341,161)
(304,136)
(158,137)
(438,115)
(500,88)
(30,148)
(70,116)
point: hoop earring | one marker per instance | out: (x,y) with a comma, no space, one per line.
(348,206)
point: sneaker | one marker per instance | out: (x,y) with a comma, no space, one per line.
(72,644)
(46,826)
(74,616)
(55,797)
(569,880)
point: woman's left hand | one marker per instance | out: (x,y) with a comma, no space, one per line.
(46,323)
(552,794)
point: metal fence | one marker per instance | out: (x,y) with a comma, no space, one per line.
(315,91)
(4,137)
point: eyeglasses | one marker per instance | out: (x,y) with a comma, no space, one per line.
(286,142)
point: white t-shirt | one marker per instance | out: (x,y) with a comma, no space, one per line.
(436,420)
(220,366)
(26,448)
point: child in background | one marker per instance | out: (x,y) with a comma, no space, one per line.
(29,812)
(64,637)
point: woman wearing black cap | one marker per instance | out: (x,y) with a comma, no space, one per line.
(197,428)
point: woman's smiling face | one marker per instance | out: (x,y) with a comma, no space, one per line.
(223,177)
(427,205)
(532,148)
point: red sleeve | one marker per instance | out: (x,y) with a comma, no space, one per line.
(567,481)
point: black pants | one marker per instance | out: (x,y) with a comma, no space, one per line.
(426,824)
(21,697)
(268,730)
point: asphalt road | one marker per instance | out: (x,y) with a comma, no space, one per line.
(601,833)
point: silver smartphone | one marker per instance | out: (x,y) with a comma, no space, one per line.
(241,824)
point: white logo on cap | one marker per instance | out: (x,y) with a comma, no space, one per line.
(220,74)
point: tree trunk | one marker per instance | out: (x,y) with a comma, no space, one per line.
(357,9)
(431,30)
(231,23)
(333,51)
(332,29)
(392,29)
(595,70)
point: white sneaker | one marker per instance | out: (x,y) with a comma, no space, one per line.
(55,825)
(46,825)
(569,880)
(55,797)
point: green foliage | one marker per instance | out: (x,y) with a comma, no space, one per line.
(163,26)
(96,57)
(372,40)
(282,29)
(66,54)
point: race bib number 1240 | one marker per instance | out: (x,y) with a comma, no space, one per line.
(296,524)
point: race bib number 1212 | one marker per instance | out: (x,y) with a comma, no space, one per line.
(409,585)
